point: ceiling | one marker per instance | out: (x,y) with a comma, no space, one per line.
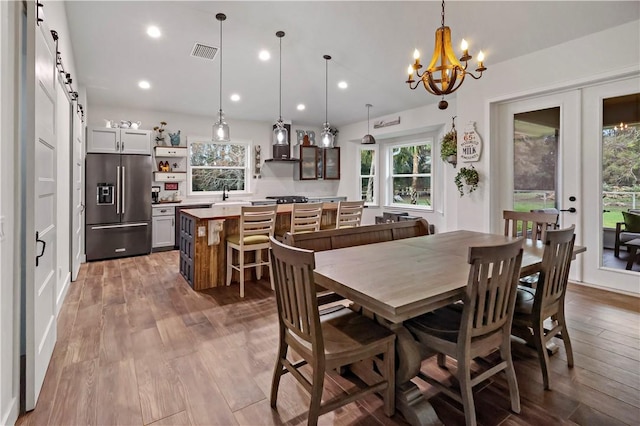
(371,44)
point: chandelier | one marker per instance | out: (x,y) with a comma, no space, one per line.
(445,73)
(327,137)
(280,133)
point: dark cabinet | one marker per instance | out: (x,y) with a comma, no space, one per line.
(318,163)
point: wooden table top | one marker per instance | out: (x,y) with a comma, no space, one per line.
(405,278)
(227,212)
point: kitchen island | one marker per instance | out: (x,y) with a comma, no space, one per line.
(203,233)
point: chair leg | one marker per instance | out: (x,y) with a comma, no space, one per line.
(278,371)
(241,267)
(316,395)
(442,360)
(514,394)
(390,374)
(258,260)
(543,356)
(271,274)
(464,378)
(229,263)
(565,338)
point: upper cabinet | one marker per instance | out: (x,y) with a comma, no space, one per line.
(118,141)
(318,163)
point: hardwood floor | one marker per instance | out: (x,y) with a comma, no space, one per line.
(137,346)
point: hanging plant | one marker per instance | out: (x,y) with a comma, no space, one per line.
(449,145)
(467,177)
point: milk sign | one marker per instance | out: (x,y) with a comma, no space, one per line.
(471,145)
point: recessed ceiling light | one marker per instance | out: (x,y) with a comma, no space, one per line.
(264,55)
(144,84)
(343,85)
(153,31)
(235,97)
(301,107)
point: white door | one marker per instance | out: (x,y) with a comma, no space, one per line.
(553,123)
(41,300)
(77,205)
(595,118)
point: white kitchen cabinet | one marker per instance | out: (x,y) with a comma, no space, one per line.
(118,141)
(170,151)
(169,176)
(163,227)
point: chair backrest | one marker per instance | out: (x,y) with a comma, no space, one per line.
(257,221)
(296,293)
(349,214)
(532,225)
(306,217)
(554,275)
(491,289)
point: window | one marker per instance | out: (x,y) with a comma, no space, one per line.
(410,174)
(212,166)
(368,170)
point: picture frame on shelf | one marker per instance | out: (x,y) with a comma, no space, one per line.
(171,186)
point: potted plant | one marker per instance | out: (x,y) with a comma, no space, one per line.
(469,177)
(449,147)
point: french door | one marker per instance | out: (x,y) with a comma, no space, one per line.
(538,161)
(549,154)
(604,107)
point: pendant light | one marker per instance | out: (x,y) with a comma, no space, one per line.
(326,137)
(221,128)
(280,133)
(368,139)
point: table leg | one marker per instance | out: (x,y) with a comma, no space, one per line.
(410,401)
(632,257)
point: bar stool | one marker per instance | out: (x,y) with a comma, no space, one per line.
(257,224)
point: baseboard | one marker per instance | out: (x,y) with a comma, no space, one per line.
(63,293)
(609,289)
(10,415)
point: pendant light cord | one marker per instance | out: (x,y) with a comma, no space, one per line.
(220,112)
(326,90)
(442,13)
(368,107)
(280,101)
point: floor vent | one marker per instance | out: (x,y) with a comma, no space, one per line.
(203,51)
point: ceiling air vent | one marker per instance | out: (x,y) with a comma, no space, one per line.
(203,51)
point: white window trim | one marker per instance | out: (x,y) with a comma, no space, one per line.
(375,176)
(246,168)
(388,183)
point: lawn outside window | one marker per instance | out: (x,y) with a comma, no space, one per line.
(409,183)
(215,165)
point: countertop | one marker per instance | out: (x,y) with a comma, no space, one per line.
(182,203)
(226,212)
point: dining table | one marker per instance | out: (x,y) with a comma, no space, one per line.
(395,281)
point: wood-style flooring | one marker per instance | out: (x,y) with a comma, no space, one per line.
(136,346)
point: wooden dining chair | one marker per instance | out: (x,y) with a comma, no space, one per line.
(256,225)
(533,225)
(306,217)
(534,306)
(481,327)
(324,344)
(349,214)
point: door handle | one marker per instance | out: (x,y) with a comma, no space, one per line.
(570,210)
(118,190)
(44,246)
(123,186)
(117,146)
(81,208)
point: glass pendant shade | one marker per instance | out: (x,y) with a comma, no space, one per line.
(280,134)
(221,130)
(326,137)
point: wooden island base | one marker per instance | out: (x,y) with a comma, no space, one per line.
(203,249)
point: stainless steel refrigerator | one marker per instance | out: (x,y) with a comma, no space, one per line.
(118,199)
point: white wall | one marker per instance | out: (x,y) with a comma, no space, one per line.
(597,57)
(277,178)
(427,120)
(9,288)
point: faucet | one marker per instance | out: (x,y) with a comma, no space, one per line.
(225,193)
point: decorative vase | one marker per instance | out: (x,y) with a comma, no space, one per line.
(175,138)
